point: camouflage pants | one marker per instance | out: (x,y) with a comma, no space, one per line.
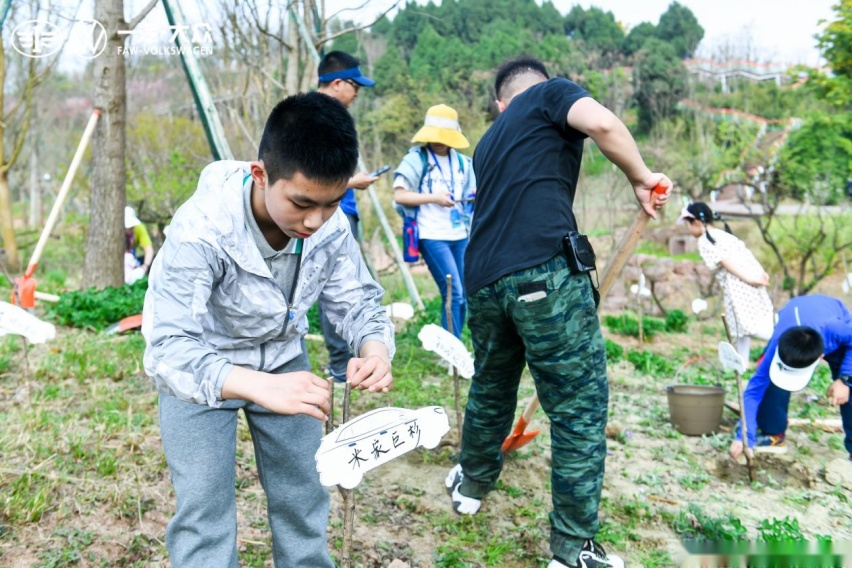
(559,338)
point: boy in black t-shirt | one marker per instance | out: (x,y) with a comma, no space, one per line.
(527,307)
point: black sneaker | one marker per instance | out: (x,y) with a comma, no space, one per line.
(461,504)
(592,555)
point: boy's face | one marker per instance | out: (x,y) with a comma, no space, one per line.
(297,206)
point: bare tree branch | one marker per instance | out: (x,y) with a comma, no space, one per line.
(326,39)
(141,15)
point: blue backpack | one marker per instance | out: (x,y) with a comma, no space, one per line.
(424,162)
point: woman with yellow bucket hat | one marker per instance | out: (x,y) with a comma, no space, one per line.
(436,185)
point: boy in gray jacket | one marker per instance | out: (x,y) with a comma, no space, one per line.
(246,256)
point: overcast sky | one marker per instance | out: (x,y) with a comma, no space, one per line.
(779,30)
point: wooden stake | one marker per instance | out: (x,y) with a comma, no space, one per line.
(743,426)
(348,500)
(448,309)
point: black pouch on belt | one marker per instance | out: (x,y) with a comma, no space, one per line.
(581,258)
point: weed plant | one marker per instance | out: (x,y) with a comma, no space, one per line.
(627,324)
(693,524)
(96,309)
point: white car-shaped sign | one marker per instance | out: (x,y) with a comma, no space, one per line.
(375,438)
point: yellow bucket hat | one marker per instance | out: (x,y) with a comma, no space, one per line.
(441,127)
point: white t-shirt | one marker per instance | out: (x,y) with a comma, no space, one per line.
(435,222)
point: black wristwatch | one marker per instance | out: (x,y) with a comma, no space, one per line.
(846,379)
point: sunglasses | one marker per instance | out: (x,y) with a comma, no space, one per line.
(355,85)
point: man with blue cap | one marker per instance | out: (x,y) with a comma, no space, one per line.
(340,78)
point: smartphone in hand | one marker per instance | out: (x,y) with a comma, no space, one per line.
(379,171)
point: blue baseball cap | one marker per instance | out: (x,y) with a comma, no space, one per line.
(353,73)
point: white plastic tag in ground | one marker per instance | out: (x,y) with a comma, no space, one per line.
(400,310)
(20,322)
(730,359)
(448,346)
(698,305)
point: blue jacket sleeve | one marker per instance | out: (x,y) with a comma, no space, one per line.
(839,336)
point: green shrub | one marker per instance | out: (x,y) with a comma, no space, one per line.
(96,309)
(676,321)
(626,324)
(649,363)
(614,351)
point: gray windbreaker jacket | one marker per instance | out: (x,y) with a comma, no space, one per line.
(212,302)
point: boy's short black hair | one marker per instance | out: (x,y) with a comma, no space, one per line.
(336,61)
(310,133)
(512,69)
(800,346)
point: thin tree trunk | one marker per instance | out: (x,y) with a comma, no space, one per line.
(105,240)
(7,222)
(35,189)
(292,80)
(10,244)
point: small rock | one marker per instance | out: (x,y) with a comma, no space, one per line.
(613,429)
(22,394)
(397,563)
(839,472)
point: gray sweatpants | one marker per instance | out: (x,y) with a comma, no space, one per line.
(200,447)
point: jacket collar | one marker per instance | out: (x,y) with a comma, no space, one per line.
(220,199)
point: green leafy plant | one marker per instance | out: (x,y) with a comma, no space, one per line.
(626,324)
(696,525)
(676,321)
(779,530)
(96,309)
(650,363)
(614,351)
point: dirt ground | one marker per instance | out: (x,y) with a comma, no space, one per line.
(403,514)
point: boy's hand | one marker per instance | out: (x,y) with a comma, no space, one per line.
(301,392)
(372,373)
(838,393)
(736,450)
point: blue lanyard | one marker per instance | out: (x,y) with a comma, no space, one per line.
(441,171)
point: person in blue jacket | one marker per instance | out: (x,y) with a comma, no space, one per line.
(809,328)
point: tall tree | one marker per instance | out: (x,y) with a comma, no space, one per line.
(597,29)
(679,26)
(835,43)
(105,239)
(660,78)
(637,36)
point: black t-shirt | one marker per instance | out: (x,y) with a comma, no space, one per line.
(526,167)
